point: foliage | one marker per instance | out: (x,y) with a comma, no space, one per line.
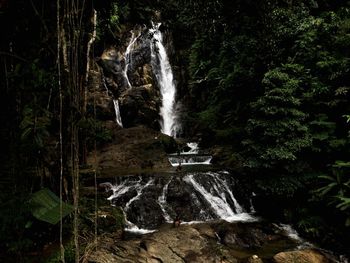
(35,127)
(277,133)
(95,131)
(269,79)
(45,206)
(336,188)
(69,255)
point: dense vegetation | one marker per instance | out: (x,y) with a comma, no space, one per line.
(267,80)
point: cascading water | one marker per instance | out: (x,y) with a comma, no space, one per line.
(124,188)
(219,197)
(162,69)
(128,56)
(150,201)
(190,160)
(162,201)
(193,148)
(118,117)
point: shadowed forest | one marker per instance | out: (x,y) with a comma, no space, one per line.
(263,86)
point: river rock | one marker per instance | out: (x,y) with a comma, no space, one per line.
(300,256)
(134,149)
(254,259)
(243,235)
(181,244)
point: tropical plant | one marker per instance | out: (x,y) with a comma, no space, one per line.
(277,133)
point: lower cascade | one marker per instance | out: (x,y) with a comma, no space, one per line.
(150,201)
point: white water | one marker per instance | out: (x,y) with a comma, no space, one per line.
(194,160)
(290,232)
(193,148)
(221,183)
(121,189)
(139,188)
(131,227)
(162,201)
(164,74)
(118,116)
(210,192)
(217,200)
(128,57)
(220,206)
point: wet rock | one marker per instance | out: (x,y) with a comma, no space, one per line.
(254,259)
(123,199)
(139,106)
(139,103)
(185,201)
(300,256)
(98,96)
(146,211)
(250,236)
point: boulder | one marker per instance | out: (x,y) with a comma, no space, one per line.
(139,106)
(300,256)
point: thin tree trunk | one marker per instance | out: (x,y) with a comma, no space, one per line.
(60,132)
(91,41)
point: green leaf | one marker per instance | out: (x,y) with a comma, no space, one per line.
(46,207)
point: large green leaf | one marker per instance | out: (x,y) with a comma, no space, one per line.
(46,206)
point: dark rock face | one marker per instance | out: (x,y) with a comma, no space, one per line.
(186,203)
(139,104)
(146,211)
(99,96)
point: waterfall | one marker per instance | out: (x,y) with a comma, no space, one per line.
(221,208)
(216,197)
(162,201)
(128,56)
(118,117)
(189,160)
(150,201)
(164,75)
(222,183)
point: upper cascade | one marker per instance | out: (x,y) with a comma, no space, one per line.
(137,74)
(163,72)
(128,55)
(118,117)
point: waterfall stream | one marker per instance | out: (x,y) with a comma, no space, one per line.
(118,116)
(150,201)
(164,74)
(128,56)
